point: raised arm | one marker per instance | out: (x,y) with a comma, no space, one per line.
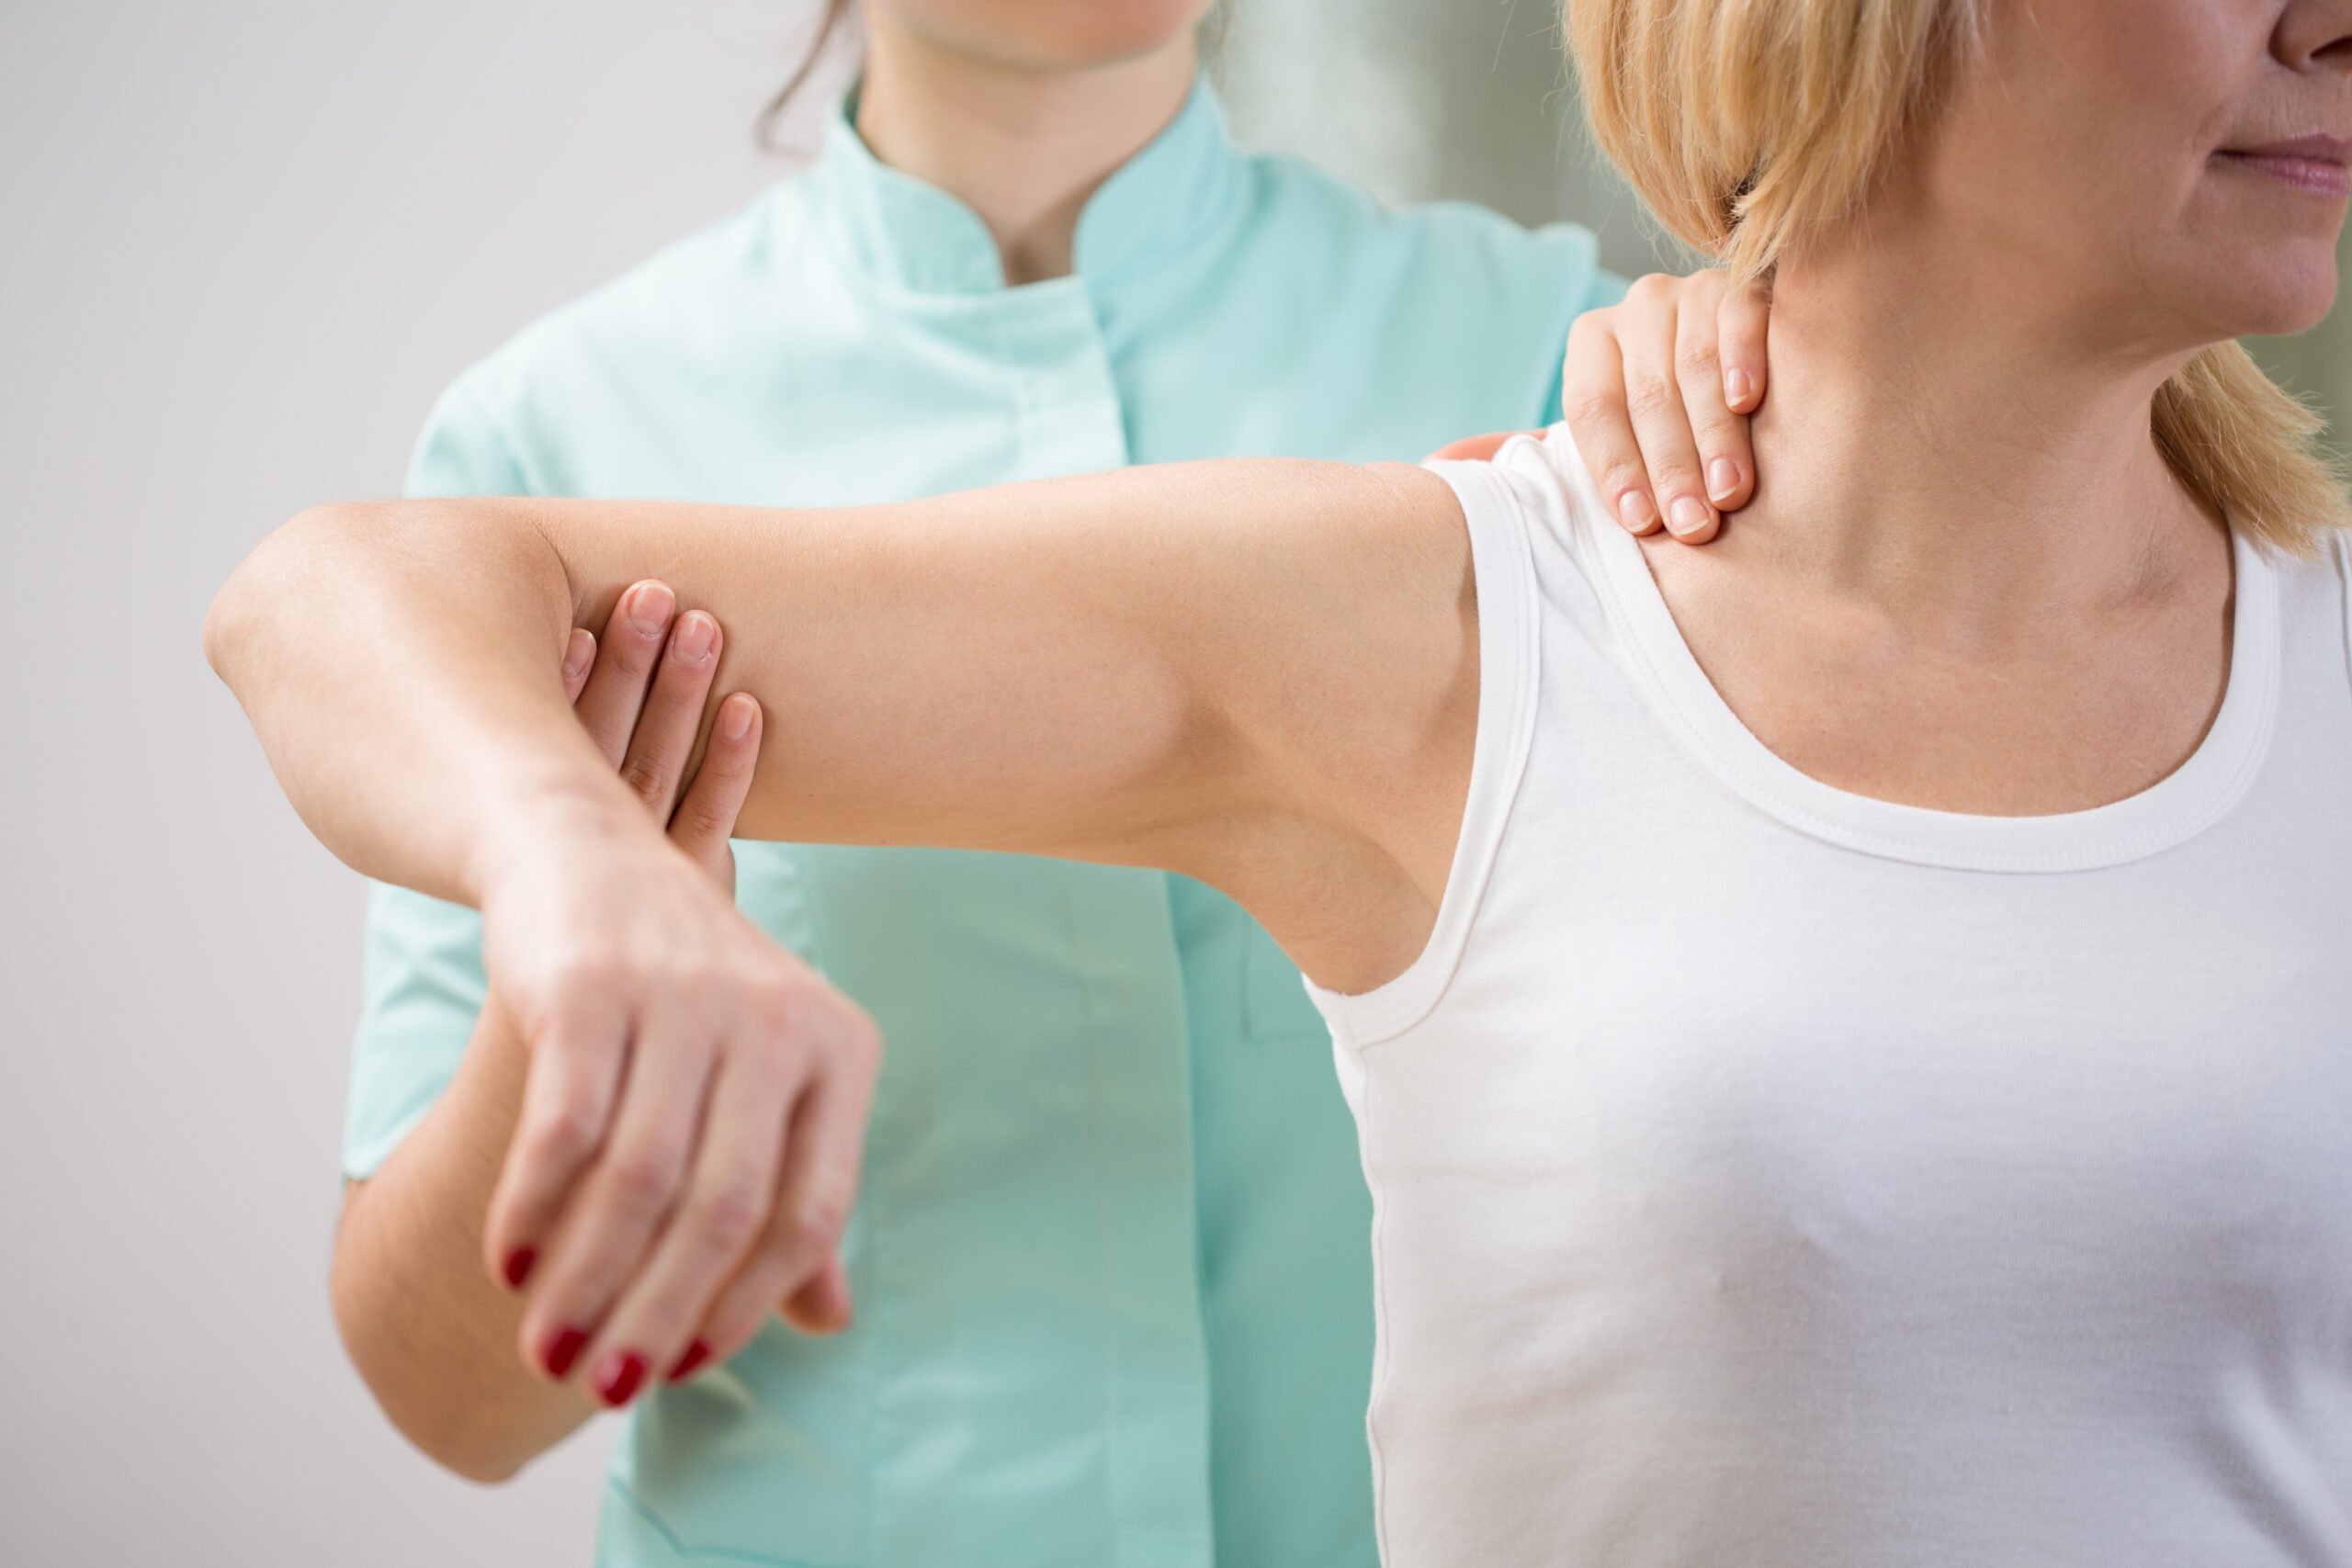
(1262,673)
(1111,667)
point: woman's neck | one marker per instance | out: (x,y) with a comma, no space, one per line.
(1976,468)
(1023,147)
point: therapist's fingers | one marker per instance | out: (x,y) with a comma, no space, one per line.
(575,1073)
(722,1214)
(1726,459)
(579,658)
(659,748)
(1592,400)
(1740,331)
(1648,339)
(822,1306)
(629,652)
(791,1266)
(625,1198)
(704,819)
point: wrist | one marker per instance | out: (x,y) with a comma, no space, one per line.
(550,816)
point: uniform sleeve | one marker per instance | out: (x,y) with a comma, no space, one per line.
(1603,289)
(421,983)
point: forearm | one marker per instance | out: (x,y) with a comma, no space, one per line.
(434,1338)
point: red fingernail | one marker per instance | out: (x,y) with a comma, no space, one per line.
(618,1380)
(696,1354)
(519,1267)
(564,1349)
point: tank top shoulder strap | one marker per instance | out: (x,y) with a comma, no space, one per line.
(1513,510)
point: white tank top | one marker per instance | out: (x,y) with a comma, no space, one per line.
(1768,1177)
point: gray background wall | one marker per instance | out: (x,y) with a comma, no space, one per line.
(245,242)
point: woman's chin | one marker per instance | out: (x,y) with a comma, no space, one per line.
(2275,290)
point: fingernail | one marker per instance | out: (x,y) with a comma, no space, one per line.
(1723,477)
(578,650)
(1737,387)
(1633,509)
(1689,514)
(734,718)
(650,604)
(695,636)
(564,1349)
(518,1266)
(616,1381)
(689,1364)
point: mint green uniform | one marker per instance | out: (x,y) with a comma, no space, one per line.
(1111,1259)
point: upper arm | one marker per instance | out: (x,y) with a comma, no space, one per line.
(1248,670)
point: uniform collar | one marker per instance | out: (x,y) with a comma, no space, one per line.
(911,235)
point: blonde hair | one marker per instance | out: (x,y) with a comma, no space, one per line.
(1749,125)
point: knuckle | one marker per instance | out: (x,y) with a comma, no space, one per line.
(584,979)
(1718,433)
(644,774)
(780,1004)
(812,1228)
(1653,290)
(565,1133)
(824,1211)
(698,817)
(645,1175)
(1617,477)
(1647,394)
(1696,362)
(861,1039)
(692,977)
(1585,407)
(730,1213)
(1679,478)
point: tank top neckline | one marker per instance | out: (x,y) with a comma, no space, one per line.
(2169,812)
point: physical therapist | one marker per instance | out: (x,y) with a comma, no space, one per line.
(1110,1264)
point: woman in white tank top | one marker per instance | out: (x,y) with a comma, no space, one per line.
(1851,1030)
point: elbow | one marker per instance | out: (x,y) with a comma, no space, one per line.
(453,1437)
(481,1467)
(228,622)
(243,609)
(446,1436)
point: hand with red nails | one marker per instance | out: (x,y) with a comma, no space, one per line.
(654,1231)
(433,1337)
(1658,391)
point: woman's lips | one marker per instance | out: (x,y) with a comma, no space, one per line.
(2320,165)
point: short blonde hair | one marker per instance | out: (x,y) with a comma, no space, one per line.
(1748,125)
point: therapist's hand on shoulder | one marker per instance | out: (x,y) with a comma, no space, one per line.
(660,1201)
(1658,391)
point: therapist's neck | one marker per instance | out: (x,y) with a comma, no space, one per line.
(1948,442)
(1023,147)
